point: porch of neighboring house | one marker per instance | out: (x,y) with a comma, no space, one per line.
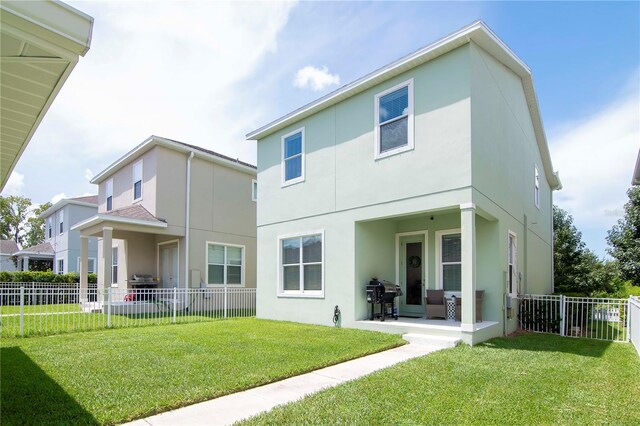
(42,254)
(447,266)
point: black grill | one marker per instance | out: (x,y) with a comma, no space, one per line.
(383,293)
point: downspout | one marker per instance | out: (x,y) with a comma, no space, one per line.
(186,228)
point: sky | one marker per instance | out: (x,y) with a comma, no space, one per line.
(207,73)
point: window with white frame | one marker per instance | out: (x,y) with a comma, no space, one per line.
(110,195)
(60,266)
(254,190)
(50,226)
(114,265)
(137,181)
(293,157)
(301,265)
(91,265)
(61,221)
(225,264)
(451,261)
(536,196)
(394,120)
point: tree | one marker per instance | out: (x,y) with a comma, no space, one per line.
(36,226)
(13,214)
(624,238)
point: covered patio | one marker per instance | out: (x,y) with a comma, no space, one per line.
(41,254)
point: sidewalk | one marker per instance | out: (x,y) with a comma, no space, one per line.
(242,405)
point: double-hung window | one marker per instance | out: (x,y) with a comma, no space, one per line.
(301,265)
(536,190)
(61,220)
(60,266)
(225,264)
(110,195)
(450,247)
(394,120)
(50,226)
(91,265)
(137,181)
(293,157)
(114,265)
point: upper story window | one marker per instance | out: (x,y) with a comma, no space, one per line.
(536,190)
(254,190)
(137,181)
(110,195)
(293,157)
(50,226)
(61,221)
(394,120)
(301,265)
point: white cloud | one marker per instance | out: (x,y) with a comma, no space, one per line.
(88,174)
(14,185)
(314,78)
(58,197)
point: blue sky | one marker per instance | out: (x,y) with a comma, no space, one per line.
(208,73)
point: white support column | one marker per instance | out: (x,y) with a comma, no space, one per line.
(107,242)
(84,268)
(25,263)
(468,258)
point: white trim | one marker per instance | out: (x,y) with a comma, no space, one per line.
(254,190)
(177,243)
(300,178)
(60,204)
(313,294)
(467,206)
(88,259)
(133,177)
(242,267)
(425,258)
(118,219)
(410,127)
(438,236)
(516,284)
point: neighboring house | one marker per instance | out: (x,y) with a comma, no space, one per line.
(41,44)
(61,244)
(432,172)
(177,212)
(7,249)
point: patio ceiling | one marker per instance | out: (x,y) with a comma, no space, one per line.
(40,44)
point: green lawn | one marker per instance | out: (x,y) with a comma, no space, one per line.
(111,376)
(531,379)
(36,309)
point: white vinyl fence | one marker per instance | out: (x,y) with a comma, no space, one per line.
(634,322)
(589,317)
(44,309)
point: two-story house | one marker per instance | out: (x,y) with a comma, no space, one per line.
(61,244)
(176,212)
(432,172)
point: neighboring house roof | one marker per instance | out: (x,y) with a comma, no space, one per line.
(44,249)
(41,44)
(479,33)
(636,173)
(133,215)
(153,141)
(86,201)
(8,247)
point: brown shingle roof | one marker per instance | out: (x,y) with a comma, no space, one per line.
(93,199)
(8,247)
(134,212)
(44,248)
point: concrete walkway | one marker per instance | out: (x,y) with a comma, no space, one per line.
(242,405)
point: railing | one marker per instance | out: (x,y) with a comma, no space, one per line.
(589,317)
(633,321)
(27,311)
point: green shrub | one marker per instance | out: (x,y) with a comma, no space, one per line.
(44,277)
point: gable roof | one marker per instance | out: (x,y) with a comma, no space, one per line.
(479,33)
(40,249)
(132,215)
(8,247)
(153,141)
(86,201)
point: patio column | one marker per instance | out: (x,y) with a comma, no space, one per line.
(107,234)
(468,258)
(84,266)
(25,263)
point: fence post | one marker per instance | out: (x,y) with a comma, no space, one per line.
(22,311)
(628,318)
(225,301)
(175,302)
(562,314)
(109,307)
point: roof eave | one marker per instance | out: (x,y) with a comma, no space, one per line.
(62,203)
(94,220)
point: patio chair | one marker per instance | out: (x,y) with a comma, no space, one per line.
(435,305)
(479,297)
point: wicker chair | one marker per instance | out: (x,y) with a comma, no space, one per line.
(435,305)
(479,297)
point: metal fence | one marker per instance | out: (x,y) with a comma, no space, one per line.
(46,310)
(633,320)
(589,317)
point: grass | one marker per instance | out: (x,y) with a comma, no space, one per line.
(530,379)
(112,376)
(36,309)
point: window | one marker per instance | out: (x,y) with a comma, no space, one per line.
(91,265)
(450,248)
(137,181)
(60,266)
(394,120)
(50,226)
(301,265)
(109,195)
(225,264)
(512,256)
(293,157)
(536,195)
(61,220)
(114,265)
(254,190)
